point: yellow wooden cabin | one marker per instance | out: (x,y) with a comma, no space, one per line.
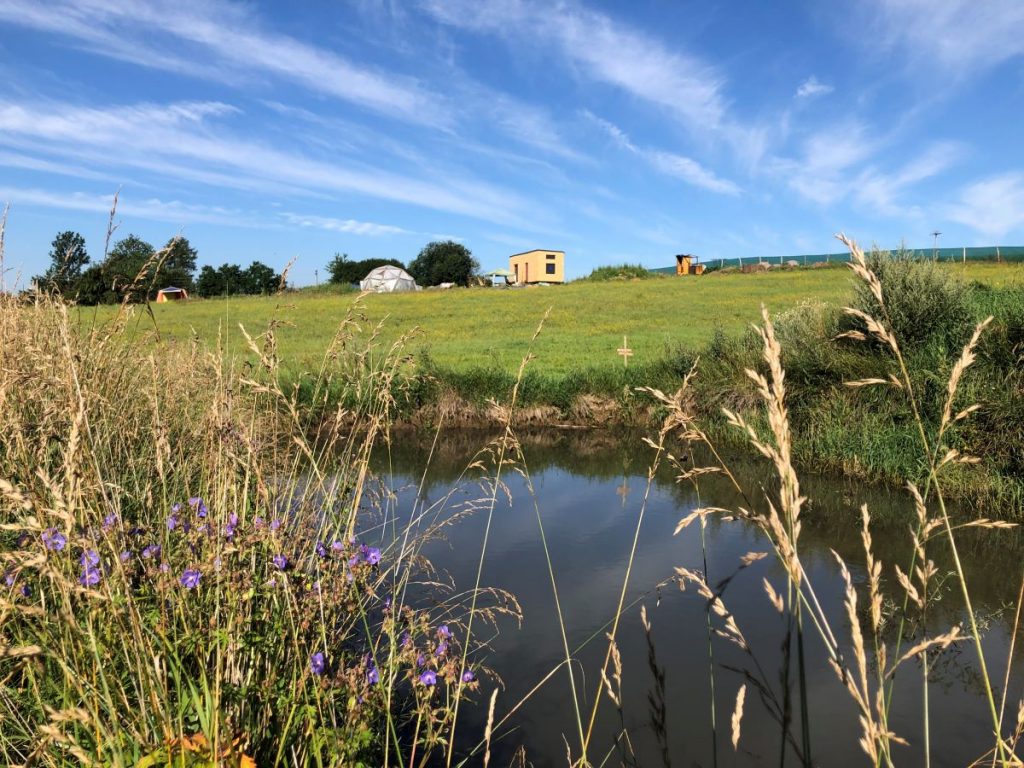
(537,266)
(687,264)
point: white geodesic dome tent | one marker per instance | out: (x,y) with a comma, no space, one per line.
(388,279)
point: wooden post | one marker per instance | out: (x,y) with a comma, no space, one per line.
(625,351)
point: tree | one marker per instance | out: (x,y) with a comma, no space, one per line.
(343,271)
(68,258)
(179,264)
(126,262)
(210,282)
(443,261)
(92,287)
(259,278)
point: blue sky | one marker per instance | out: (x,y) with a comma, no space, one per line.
(614,131)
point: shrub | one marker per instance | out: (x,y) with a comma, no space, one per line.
(925,305)
(621,272)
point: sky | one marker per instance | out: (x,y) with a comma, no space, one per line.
(617,132)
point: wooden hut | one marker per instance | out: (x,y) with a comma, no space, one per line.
(687,264)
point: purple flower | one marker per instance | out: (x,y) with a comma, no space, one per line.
(197,503)
(90,576)
(354,560)
(280,562)
(275,524)
(9,579)
(317,664)
(258,521)
(90,557)
(406,640)
(372,555)
(109,520)
(443,631)
(126,556)
(26,590)
(429,678)
(153,550)
(321,550)
(337,546)
(372,675)
(164,568)
(176,508)
(190,578)
(54,540)
(233,519)
(172,521)
(420,661)
(442,649)
(468,676)
(387,603)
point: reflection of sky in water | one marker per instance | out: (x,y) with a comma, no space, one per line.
(590,517)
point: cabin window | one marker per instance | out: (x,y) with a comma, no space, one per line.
(551,256)
(550,269)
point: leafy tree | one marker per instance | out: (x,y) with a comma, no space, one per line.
(233,280)
(343,271)
(125,262)
(210,282)
(179,264)
(92,287)
(259,278)
(68,258)
(443,261)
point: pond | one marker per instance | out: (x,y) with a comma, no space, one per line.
(589,489)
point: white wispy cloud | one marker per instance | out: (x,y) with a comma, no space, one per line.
(667,163)
(349,226)
(224,42)
(993,206)
(178,140)
(882,191)
(812,87)
(152,208)
(955,36)
(603,49)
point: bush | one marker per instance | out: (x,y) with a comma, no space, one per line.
(621,272)
(925,305)
(345,272)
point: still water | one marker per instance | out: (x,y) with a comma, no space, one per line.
(589,490)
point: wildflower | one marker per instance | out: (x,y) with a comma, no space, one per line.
(387,603)
(420,661)
(153,550)
(164,568)
(321,550)
(354,560)
(217,563)
(429,678)
(110,520)
(275,524)
(126,556)
(373,555)
(9,579)
(258,521)
(90,575)
(26,590)
(54,540)
(442,649)
(172,521)
(233,519)
(468,676)
(280,562)
(372,675)
(317,663)
(337,546)
(443,631)
(90,557)
(197,503)
(176,508)
(406,640)
(190,578)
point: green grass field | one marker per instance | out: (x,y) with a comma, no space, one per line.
(473,328)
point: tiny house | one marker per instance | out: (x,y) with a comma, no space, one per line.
(537,266)
(687,264)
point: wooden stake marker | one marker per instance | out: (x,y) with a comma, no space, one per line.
(625,351)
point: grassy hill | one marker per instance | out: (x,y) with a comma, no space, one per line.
(465,329)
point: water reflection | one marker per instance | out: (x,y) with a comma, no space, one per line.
(589,488)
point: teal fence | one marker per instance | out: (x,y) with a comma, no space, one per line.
(985,253)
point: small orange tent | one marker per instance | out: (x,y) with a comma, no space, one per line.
(171,293)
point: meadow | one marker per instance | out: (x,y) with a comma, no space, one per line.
(466,329)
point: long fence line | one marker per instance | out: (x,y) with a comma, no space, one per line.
(997,253)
